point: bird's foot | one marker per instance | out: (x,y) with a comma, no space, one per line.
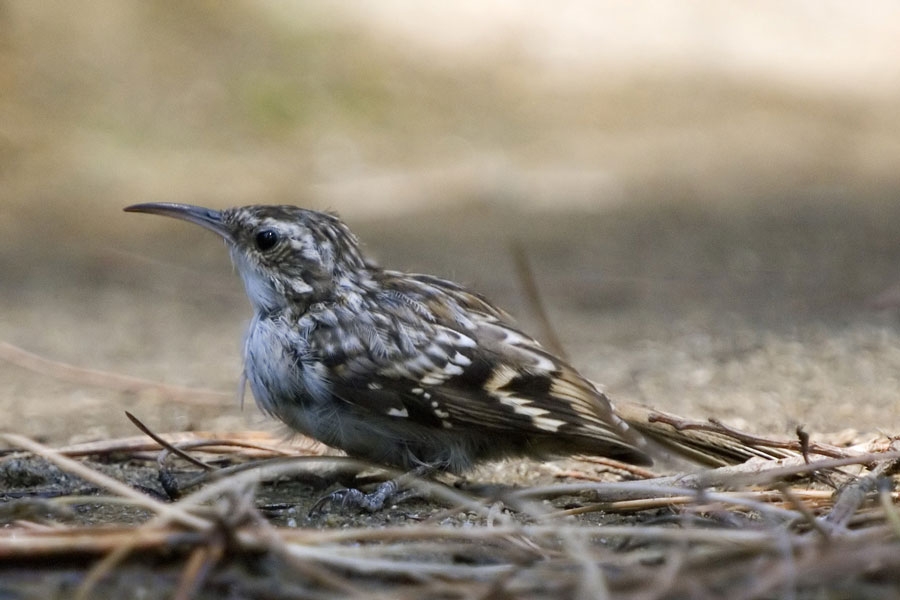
(393,490)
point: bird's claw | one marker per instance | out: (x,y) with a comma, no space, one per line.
(349,498)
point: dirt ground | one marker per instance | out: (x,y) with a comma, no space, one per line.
(709,238)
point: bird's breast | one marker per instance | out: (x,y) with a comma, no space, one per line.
(282,374)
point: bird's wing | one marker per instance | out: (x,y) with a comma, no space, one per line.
(457,363)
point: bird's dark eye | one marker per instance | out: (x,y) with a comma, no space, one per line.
(266,239)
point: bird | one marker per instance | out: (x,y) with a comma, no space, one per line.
(404,370)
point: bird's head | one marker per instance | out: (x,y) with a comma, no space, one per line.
(285,254)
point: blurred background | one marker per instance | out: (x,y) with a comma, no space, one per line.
(708,194)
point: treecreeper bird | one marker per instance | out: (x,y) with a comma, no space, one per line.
(399,369)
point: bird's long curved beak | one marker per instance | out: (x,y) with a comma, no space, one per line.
(204,217)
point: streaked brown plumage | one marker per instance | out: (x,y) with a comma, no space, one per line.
(411,370)
(400,369)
